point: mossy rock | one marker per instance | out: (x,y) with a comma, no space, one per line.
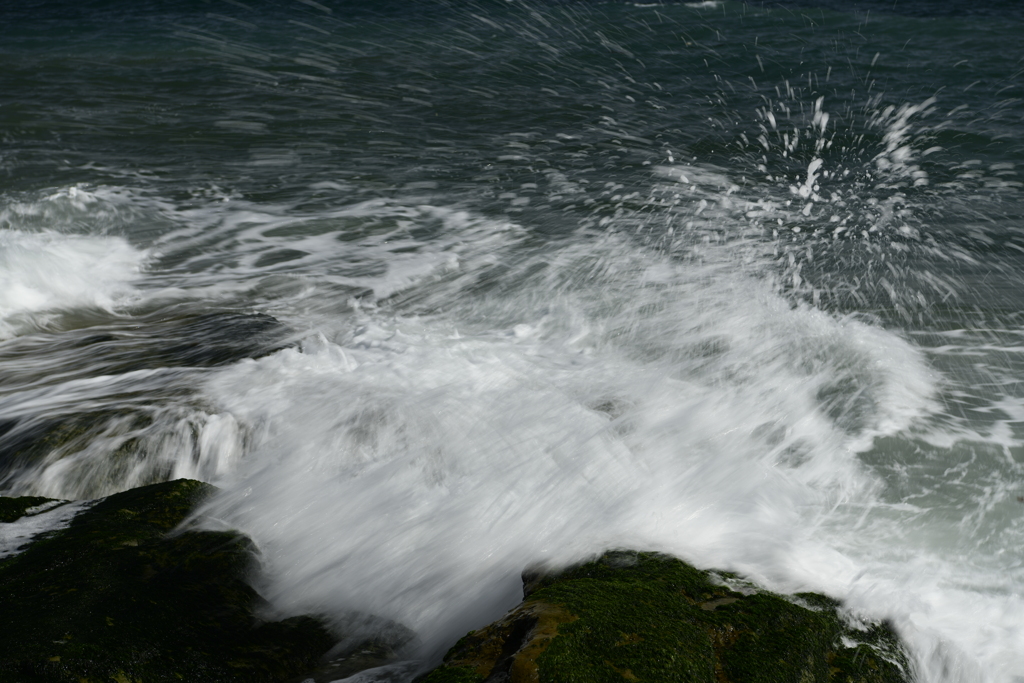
(647,617)
(119,595)
(12,509)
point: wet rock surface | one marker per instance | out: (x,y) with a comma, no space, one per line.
(119,595)
(646,617)
(169,337)
(12,509)
(123,404)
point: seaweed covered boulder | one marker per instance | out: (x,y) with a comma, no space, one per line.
(646,617)
(119,595)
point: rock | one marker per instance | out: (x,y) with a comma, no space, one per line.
(350,658)
(647,617)
(120,595)
(12,509)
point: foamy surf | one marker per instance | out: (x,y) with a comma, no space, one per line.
(63,251)
(442,458)
(43,272)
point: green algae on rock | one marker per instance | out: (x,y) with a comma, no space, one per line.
(13,509)
(647,617)
(119,595)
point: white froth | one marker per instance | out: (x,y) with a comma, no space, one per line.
(365,246)
(46,271)
(411,470)
(17,535)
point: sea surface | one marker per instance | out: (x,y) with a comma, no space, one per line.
(438,290)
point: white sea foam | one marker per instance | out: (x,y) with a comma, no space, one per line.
(365,246)
(17,535)
(411,467)
(47,271)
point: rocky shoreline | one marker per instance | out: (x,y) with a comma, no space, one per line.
(120,592)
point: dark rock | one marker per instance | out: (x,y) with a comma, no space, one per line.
(647,617)
(119,595)
(350,659)
(12,509)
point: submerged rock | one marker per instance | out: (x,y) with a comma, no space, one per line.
(647,617)
(169,337)
(71,394)
(119,595)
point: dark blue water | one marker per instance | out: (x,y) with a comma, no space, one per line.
(435,290)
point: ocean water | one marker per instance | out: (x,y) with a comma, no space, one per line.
(435,291)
